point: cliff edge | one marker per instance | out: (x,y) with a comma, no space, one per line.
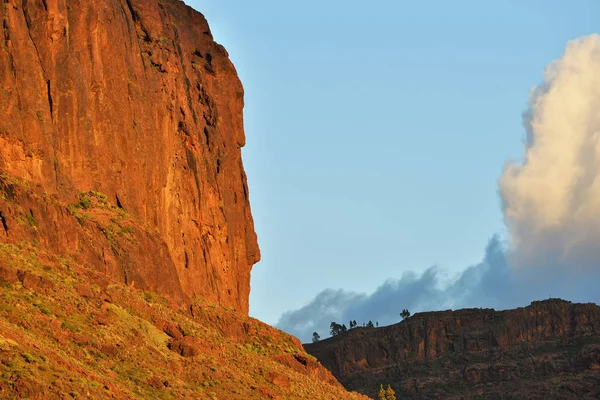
(127,106)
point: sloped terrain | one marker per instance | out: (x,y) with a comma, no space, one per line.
(548,350)
(71,331)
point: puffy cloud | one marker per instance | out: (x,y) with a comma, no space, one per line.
(552,201)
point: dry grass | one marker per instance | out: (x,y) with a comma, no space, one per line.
(110,343)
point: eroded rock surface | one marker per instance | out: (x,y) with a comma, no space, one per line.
(548,350)
(135,100)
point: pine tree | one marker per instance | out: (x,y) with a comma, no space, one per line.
(389,393)
(405,314)
(381,395)
(336,329)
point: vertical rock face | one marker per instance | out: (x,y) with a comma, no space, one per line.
(134,99)
(550,349)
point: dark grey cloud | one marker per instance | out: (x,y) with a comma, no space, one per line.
(488,284)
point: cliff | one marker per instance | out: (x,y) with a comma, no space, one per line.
(550,349)
(123,119)
(126,238)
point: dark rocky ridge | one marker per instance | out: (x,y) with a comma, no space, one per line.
(548,350)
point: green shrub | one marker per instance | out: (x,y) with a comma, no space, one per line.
(84,201)
(69,327)
(30,220)
(30,358)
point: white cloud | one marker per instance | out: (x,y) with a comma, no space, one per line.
(552,201)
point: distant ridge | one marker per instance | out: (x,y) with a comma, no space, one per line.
(547,350)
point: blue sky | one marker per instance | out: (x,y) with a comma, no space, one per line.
(377,131)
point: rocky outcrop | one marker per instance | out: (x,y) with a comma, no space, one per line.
(550,349)
(134,100)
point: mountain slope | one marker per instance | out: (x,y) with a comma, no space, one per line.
(68,331)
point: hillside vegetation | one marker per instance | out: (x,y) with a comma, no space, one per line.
(69,331)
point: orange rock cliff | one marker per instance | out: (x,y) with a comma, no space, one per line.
(134,101)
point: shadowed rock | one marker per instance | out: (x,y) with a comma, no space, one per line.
(550,349)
